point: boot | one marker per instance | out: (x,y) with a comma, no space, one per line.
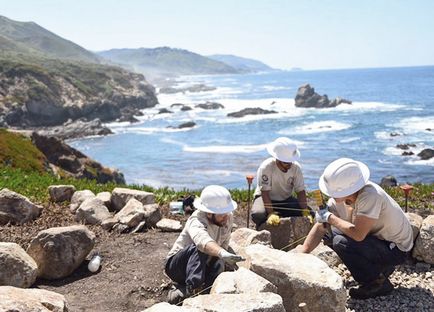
(379,287)
(176,294)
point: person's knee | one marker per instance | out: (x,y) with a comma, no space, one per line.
(340,243)
(259,217)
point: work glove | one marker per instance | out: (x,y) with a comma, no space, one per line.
(322,215)
(226,256)
(273,219)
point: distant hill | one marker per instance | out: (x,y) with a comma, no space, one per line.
(166,61)
(46,80)
(242,64)
(29,37)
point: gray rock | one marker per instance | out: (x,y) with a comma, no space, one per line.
(79,197)
(59,251)
(327,255)
(416,223)
(241,281)
(244,237)
(164,111)
(290,230)
(152,215)
(424,246)
(16,208)
(388,181)
(76,129)
(17,268)
(210,105)
(106,198)
(168,225)
(298,277)
(61,193)
(120,196)
(15,299)
(166,307)
(260,302)
(132,213)
(307,97)
(251,111)
(92,211)
(426,154)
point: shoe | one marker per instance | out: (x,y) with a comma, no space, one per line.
(379,287)
(176,294)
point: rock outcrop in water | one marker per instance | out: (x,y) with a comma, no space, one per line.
(307,97)
(251,111)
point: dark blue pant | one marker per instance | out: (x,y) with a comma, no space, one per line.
(259,214)
(193,268)
(368,258)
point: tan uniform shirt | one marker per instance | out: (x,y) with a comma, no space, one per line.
(373,202)
(280,184)
(199,231)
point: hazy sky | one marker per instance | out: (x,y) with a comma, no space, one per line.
(282,33)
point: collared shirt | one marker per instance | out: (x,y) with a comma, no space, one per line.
(280,184)
(373,202)
(199,231)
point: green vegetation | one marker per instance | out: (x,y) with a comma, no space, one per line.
(167,61)
(17,151)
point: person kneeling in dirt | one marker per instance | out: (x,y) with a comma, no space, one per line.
(278,177)
(370,232)
(198,255)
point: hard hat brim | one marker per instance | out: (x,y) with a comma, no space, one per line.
(347,191)
(270,150)
(200,206)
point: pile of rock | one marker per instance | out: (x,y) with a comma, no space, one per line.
(274,280)
(57,252)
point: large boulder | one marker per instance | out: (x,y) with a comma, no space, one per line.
(290,230)
(120,197)
(92,211)
(60,193)
(426,154)
(307,97)
(259,302)
(241,281)
(167,307)
(17,268)
(106,198)
(134,212)
(59,251)
(424,246)
(244,237)
(415,222)
(298,277)
(78,198)
(16,208)
(31,300)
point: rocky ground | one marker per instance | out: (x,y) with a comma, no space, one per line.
(131,278)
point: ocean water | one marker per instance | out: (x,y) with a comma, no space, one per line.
(223,150)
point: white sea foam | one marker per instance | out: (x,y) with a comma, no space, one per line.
(225,149)
(417,124)
(348,140)
(369,106)
(420,162)
(149,130)
(316,127)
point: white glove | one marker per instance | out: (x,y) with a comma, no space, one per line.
(229,257)
(322,215)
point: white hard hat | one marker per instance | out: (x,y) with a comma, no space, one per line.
(283,149)
(215,199)
(343,177)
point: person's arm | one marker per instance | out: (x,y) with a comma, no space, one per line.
(357,231)
(267,201)
(313,239)
(301,198)
(212,249)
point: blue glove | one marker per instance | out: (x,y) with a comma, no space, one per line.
(322,215)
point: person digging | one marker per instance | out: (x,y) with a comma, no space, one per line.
(198,255)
